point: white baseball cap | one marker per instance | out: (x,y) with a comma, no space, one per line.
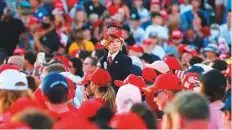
(160,66)
(13,80)
(72,77)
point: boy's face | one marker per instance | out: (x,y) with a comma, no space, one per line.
(210,54)
(115,45)
(155,8)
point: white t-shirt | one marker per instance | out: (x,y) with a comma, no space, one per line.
(138,34)
(158,51)
(226,33)
(185,8)
(160,30)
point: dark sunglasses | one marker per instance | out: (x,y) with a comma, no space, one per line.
(156,93)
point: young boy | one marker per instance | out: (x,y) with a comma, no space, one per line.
(117,63)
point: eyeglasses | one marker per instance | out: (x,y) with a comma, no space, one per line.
(175,38)
(157,92)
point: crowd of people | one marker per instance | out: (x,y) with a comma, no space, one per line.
(115,64)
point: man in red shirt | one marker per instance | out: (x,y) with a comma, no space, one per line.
(55,88)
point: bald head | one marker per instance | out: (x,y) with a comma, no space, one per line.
(17,60)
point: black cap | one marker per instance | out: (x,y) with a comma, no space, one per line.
(154,14)
(134,16)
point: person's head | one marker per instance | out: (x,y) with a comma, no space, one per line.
(113,39)
(35,119)
(117,2)
(138,3)
(165,91)
(79,34)
(55,88)
(33,24)
(196,4)
(157,18)
(98,53)
(89,65)
(135,18)
(80,16)
(155,6)
(7,13)
(146,59)
(146,114)
(56,67)
(227,113)
(174,7)
(219,65)
(213,89)
(127,95)
(135,50)
(188,110)
(29,58)
(13,85)
(153,37)
(211,51)
(47,22)
(177,37)
(59,16)
(34,3)
(195,60)
(159,66)
(17,61)
(31,83)
(101,88)
(76,67)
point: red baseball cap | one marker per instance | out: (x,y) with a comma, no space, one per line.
(190,80)
(63,59)
(127,121)
(33,20)
(14,125)
(79,123)
(177,34)
(155,2)
(172,63)
(98,46)
(149,74)
(101,77)
(132,79)
(136,48)
(89,108)
(6,67)
(228,71)
(168,81)
(22,104)
(188,49)
(113,31)
(19,51)
(147,42)
(86,80)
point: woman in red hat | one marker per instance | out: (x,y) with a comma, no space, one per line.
(101,88)
(115,62)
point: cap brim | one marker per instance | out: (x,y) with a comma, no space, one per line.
(84,82)
(118,83)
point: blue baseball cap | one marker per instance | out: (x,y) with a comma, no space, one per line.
(212,48)
(53,80)
(227,104)
(136,70)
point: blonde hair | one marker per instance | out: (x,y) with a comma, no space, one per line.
(8,97)
(108,97)
(106,42)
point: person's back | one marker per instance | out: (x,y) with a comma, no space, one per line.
(55,89)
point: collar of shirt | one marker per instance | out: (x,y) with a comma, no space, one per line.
(113,56)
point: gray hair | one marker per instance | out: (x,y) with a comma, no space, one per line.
(56,67)
(189,105)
